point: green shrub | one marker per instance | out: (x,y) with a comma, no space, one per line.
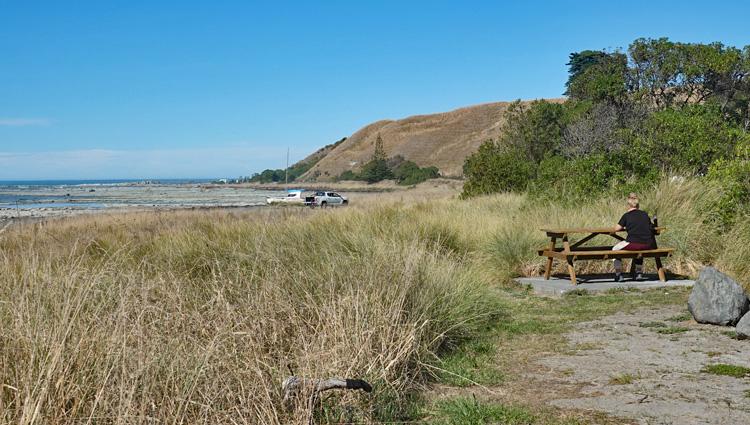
(408,173)
(495,168)
(685,140)
(348,175)
(733,175)
(586,177)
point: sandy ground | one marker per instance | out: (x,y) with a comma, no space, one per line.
(667,385)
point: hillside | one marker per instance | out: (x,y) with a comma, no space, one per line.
(443,140)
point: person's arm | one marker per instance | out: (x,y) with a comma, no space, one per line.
(621,224)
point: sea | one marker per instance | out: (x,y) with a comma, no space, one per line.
(114,193)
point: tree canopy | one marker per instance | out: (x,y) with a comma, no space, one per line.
(658,107)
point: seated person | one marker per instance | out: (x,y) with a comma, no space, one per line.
(640,236)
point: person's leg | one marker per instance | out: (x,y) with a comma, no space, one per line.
(637,269)
(618,262)
(638,266)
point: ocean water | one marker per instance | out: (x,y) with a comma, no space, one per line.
(98,194)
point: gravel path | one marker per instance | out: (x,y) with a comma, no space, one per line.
(647,366)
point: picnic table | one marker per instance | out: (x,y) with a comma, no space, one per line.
(577,251)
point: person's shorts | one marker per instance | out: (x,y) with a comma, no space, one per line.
(631,246)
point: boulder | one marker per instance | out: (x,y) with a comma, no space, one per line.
(743,327)
(717,299)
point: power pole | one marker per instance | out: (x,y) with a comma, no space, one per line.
(286,170)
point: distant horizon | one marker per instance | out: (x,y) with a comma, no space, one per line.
(114,180)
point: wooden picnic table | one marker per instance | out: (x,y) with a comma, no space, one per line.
(577,251)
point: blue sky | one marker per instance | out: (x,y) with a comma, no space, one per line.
(147,89)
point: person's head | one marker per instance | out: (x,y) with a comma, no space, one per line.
(633,201)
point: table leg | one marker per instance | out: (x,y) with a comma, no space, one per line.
(660,270)
(572,271)
(548,269)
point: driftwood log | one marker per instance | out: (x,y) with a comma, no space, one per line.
(294,386)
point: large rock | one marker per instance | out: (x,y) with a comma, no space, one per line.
(717,299)
(743,327)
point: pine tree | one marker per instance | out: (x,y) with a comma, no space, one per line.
(377,168)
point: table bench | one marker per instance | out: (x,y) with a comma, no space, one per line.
(578,252)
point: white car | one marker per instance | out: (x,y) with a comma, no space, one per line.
(326,199)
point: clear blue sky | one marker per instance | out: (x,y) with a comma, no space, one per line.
(150,89)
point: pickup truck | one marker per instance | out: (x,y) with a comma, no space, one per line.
(293,196)
(325,199)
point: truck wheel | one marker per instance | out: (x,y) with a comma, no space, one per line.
(346,202)
(323,204)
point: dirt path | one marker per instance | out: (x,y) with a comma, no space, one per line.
(647,366)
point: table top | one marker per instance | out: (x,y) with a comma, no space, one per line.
(603,230)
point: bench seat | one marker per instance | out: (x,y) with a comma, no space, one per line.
(602,253)
(606,254)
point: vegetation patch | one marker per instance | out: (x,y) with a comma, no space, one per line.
(684,317)
(730,334)
(670,330)
(469,411)
(581,292)
(380,167)
(727,370)
(652,325)
(624,379)
(471,364)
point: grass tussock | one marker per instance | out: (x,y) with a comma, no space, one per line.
(727,370)
(199,317)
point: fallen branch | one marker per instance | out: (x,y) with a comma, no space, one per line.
(293,386)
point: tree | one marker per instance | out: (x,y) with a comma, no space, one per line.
(377,168)
(535,129)
(685,140)
(600,78)
(678,74)
(592,132)
(579,62)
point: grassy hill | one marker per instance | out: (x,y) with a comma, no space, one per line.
(443,140)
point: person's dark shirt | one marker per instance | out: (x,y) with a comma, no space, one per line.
(639,227)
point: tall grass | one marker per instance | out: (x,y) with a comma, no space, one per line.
(192,317)
(199,317)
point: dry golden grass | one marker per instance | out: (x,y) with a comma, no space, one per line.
(197,317)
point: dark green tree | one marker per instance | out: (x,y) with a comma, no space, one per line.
(579,62)
(602,80)
(377,168)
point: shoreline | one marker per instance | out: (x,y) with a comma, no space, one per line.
(203,197)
